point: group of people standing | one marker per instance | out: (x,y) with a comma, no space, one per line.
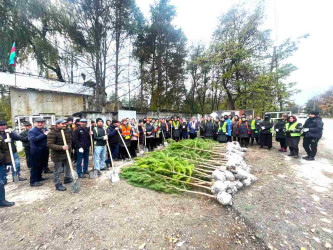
(128,137)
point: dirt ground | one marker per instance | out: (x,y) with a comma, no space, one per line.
(285,209)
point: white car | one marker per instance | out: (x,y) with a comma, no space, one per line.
(302,115)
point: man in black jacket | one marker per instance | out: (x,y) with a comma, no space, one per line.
(209,128)
(26,143)
(81,139)
(114,140)
(313,131)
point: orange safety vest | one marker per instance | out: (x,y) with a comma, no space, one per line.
(125,131)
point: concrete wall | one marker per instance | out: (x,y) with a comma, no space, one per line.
(29,102)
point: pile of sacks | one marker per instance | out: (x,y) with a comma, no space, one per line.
(232,177)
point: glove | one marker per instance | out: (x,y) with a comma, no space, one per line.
(8,140)
(8,130)
(81,150)
(46,132)
(263,127)
(305,129)
(105,137)
(8,167)
(226,133)
(277,130)
(116,128)
(127,137)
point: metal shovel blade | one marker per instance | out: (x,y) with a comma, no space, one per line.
(16,178)
(93,174)
(114,177)
(75,186)
(165,144)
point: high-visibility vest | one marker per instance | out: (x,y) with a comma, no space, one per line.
(125,131)
(223,128)
(174,124)
(292,127)
(253,124)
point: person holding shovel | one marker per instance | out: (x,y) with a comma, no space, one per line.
(55,142)
(114,140)
(100,138)
(12,138)
(81,139)
(4,163)
(126,133)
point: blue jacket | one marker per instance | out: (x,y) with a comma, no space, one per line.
(37,139)
(14,137)
(229,127)
(193,131)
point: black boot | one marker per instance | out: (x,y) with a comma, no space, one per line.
(60,187)
(82,176)
(36,184)
(311,158)
(6,203)
(296,153)
(22,179)
(291,152)
(68,180)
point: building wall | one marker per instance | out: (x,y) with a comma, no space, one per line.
(29,102)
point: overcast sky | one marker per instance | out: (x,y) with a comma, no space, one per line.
(198,19)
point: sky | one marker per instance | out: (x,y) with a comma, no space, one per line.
(286,19)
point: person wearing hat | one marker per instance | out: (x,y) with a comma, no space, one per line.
(13,137)
(100,138)
(56,143)
(81,140)
(26,143)
(312,131)
(4,165)
(39,152)
(114,140)
(266,129)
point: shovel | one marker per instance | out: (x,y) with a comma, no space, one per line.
(114,175)
(145,148)
(164,141)
(16,177)
(93,173)
(129,155)
(75,185)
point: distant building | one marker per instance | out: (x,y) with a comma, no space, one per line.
(32,97)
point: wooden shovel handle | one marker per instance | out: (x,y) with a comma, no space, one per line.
(11,152)
(67,152)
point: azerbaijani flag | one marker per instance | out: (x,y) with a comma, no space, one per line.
(12,57)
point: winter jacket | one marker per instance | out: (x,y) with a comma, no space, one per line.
(290,132)
(149,130)
(280,129)
(99,133)
(37,139)
(193,127)
(244,129)
(229,127)
(268,124)
(184,128)
(114,137)
(315,126)
(81,138)
(14,137)
(4,152)
(209,128)
(235,129)
(55,142)
(25,139)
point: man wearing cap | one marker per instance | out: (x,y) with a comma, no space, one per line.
(4,163)
(39,152)
(114,139)
(26,143)
(81,139)
(312,131)
(100,138)
(13,137)
(56,143)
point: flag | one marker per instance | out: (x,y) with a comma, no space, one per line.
(12,57)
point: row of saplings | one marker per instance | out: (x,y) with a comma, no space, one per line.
(193,166)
